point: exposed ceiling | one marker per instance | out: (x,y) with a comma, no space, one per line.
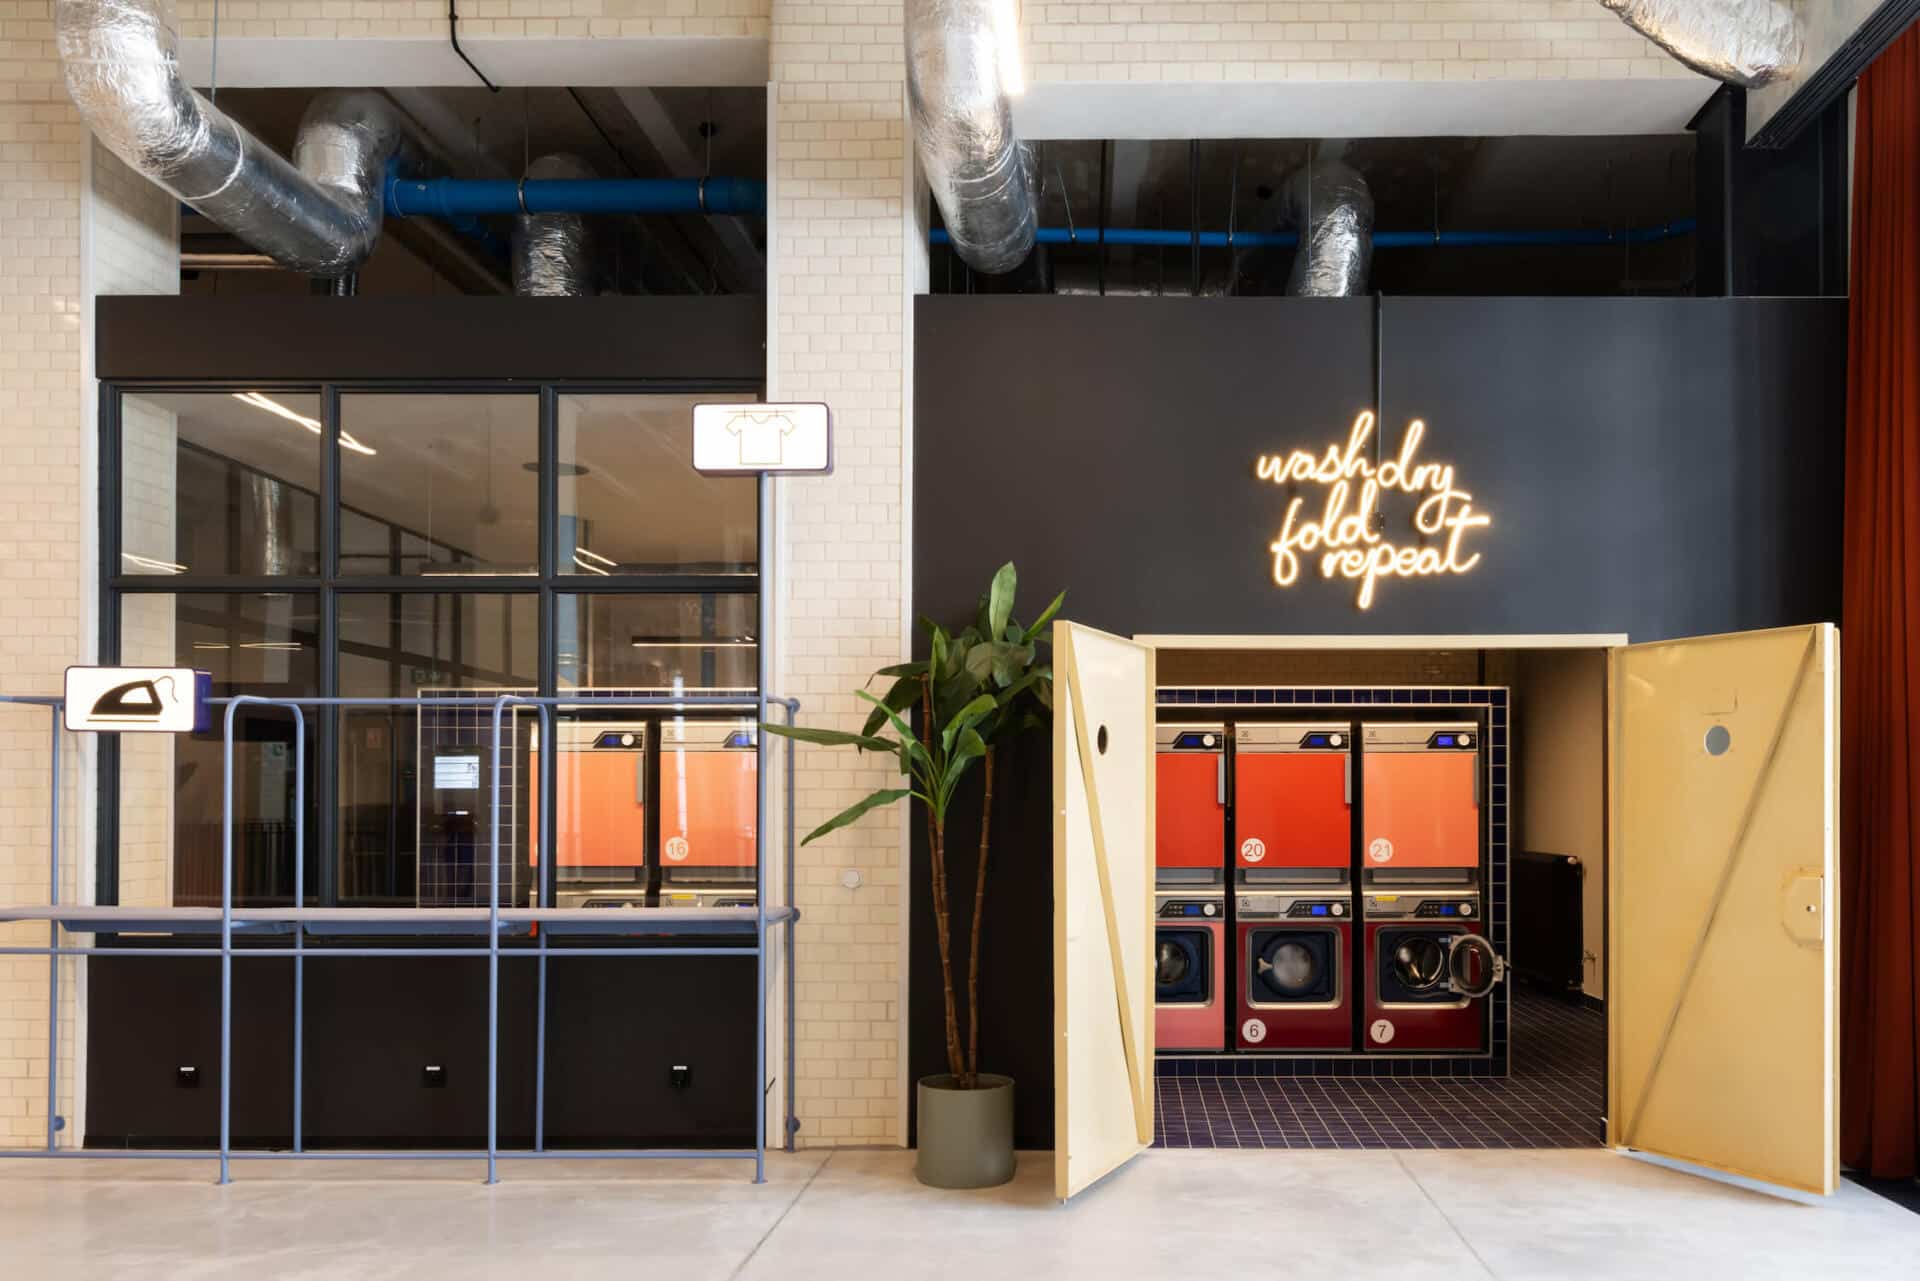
(628,132)
(1418,184)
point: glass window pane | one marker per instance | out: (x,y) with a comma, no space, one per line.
(680,640)
(171,785)
(709,780)
(220,483)
(439,484)
(415,783)
(630,501)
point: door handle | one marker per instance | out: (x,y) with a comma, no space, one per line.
(1220,778)
(1346,777)
(1803,907)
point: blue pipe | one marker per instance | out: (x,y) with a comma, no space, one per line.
(452,198)
(1136,237)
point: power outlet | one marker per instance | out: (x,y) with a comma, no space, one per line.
(186,1077)
(679,1076)
(433,1077)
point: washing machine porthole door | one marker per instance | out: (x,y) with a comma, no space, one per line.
(1473,968)
(1172,965)
(1421,963)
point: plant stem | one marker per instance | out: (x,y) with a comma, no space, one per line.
(973,946)
(942,919)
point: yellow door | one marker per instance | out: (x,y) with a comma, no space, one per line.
(1103,774)
(1722,1010)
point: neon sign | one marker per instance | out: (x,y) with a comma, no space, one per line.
(1347,532)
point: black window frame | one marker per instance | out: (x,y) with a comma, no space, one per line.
(547,584)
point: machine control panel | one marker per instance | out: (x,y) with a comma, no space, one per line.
(1421,906)
(1413,736)
(1272,738)
(1190,738)
(1199,908)
(1274,907)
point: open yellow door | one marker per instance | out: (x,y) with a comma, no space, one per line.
(1722,1010)
(1102,904)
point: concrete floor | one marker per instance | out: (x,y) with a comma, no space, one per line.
(1191,1214)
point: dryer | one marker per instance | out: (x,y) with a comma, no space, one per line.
(1420,801)
(1190,934)
(1292,976)
(1293,803)
(1190,804)
(1429,971)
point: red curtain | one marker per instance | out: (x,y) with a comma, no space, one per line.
(1880,632)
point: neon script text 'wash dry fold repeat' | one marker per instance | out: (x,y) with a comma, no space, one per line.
(1346,533)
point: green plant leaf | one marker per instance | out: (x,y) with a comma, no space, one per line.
(904,669)
(903,694)
(853,813)
(1000,599)
(1046,616)
(965,719)
(831,737)
(901,728)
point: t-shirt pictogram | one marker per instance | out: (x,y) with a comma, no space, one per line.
(762,437)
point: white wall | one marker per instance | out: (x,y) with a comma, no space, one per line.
(1561,724)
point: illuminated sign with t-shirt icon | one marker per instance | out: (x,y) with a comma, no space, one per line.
(735,439)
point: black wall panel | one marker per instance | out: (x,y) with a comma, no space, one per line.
(1652,466)
(614,1029)
(1659,467)
(146,1019)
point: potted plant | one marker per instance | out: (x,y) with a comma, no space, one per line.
(975,691)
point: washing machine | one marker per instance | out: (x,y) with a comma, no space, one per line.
(1429,972)
(600,810)
(1293,804)
(1190,934)
(1420,802)
(1190,804)
(1292,977)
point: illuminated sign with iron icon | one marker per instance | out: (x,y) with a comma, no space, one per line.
(1346,535)
(154,700)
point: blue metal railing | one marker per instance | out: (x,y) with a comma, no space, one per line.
(101,920)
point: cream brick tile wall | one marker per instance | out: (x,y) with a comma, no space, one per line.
(1225,40)
(41,151)
(837,336)
(346,19)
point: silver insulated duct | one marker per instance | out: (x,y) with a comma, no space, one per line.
(1330,205)
(980,174)
(322,217)
(1742,42)
(553,252)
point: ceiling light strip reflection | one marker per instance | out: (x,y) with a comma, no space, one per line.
(273,406)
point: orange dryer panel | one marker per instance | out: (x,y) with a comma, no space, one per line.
(1292,796)
(709,794)
(1190,797)
(1421,793)
(600,813)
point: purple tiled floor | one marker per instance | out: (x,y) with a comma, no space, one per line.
(1553,1099)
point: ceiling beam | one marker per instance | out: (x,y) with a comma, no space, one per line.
(651,118)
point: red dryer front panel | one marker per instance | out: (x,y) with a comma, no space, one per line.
(1421,797)
(1190,814)
(1292,796)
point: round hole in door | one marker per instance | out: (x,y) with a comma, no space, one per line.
(1718,741)
(1100,740)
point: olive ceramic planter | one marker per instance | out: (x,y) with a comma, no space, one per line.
(966,1136)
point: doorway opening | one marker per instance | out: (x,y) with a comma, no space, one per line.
(1380,896)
